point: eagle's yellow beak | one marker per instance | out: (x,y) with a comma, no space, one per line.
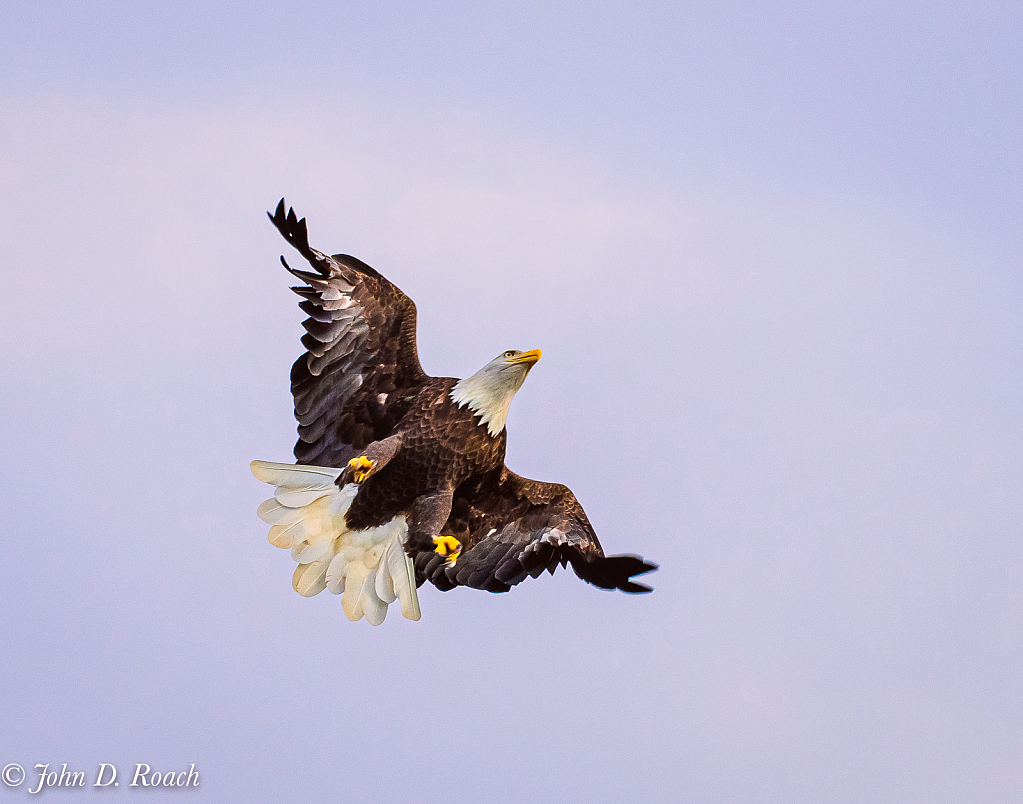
(527,357)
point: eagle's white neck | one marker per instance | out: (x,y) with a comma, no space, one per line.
(489,393)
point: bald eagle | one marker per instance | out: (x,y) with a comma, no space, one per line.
(400,477)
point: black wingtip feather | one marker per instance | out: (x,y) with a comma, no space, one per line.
(634,588)
(615,572)
(294,230)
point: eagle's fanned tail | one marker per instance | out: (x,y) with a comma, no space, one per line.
(368,568)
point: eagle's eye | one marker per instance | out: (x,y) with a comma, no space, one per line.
(509,353)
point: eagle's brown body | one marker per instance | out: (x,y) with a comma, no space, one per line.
(442,447)
(417,461)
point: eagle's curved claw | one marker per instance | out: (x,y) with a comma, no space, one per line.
(449,547)
(360,468)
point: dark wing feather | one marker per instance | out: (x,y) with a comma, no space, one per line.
(360,358)
(511,527)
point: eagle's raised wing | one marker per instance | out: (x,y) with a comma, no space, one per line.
(361,342)
(511,527)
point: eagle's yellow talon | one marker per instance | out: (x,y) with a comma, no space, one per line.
(449,547)
(361,467)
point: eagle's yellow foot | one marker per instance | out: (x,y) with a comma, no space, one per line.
(361,467)
(449,547)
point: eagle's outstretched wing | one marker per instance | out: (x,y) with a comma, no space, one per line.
(361,342)
(511,527)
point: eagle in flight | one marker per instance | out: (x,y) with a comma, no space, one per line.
(400,477)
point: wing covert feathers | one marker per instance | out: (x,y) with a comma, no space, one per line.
(512,528)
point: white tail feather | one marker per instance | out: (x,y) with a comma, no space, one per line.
(369,568)
(383,584)
(294,474)
(403,576)
(270,509)
(304,553)
(286,535)
(336,574)
(374,607)
(308,579)
(297,498)
(353,601)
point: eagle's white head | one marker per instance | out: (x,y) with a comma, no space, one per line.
(489,391)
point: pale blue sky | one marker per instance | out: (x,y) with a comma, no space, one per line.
(772,255)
